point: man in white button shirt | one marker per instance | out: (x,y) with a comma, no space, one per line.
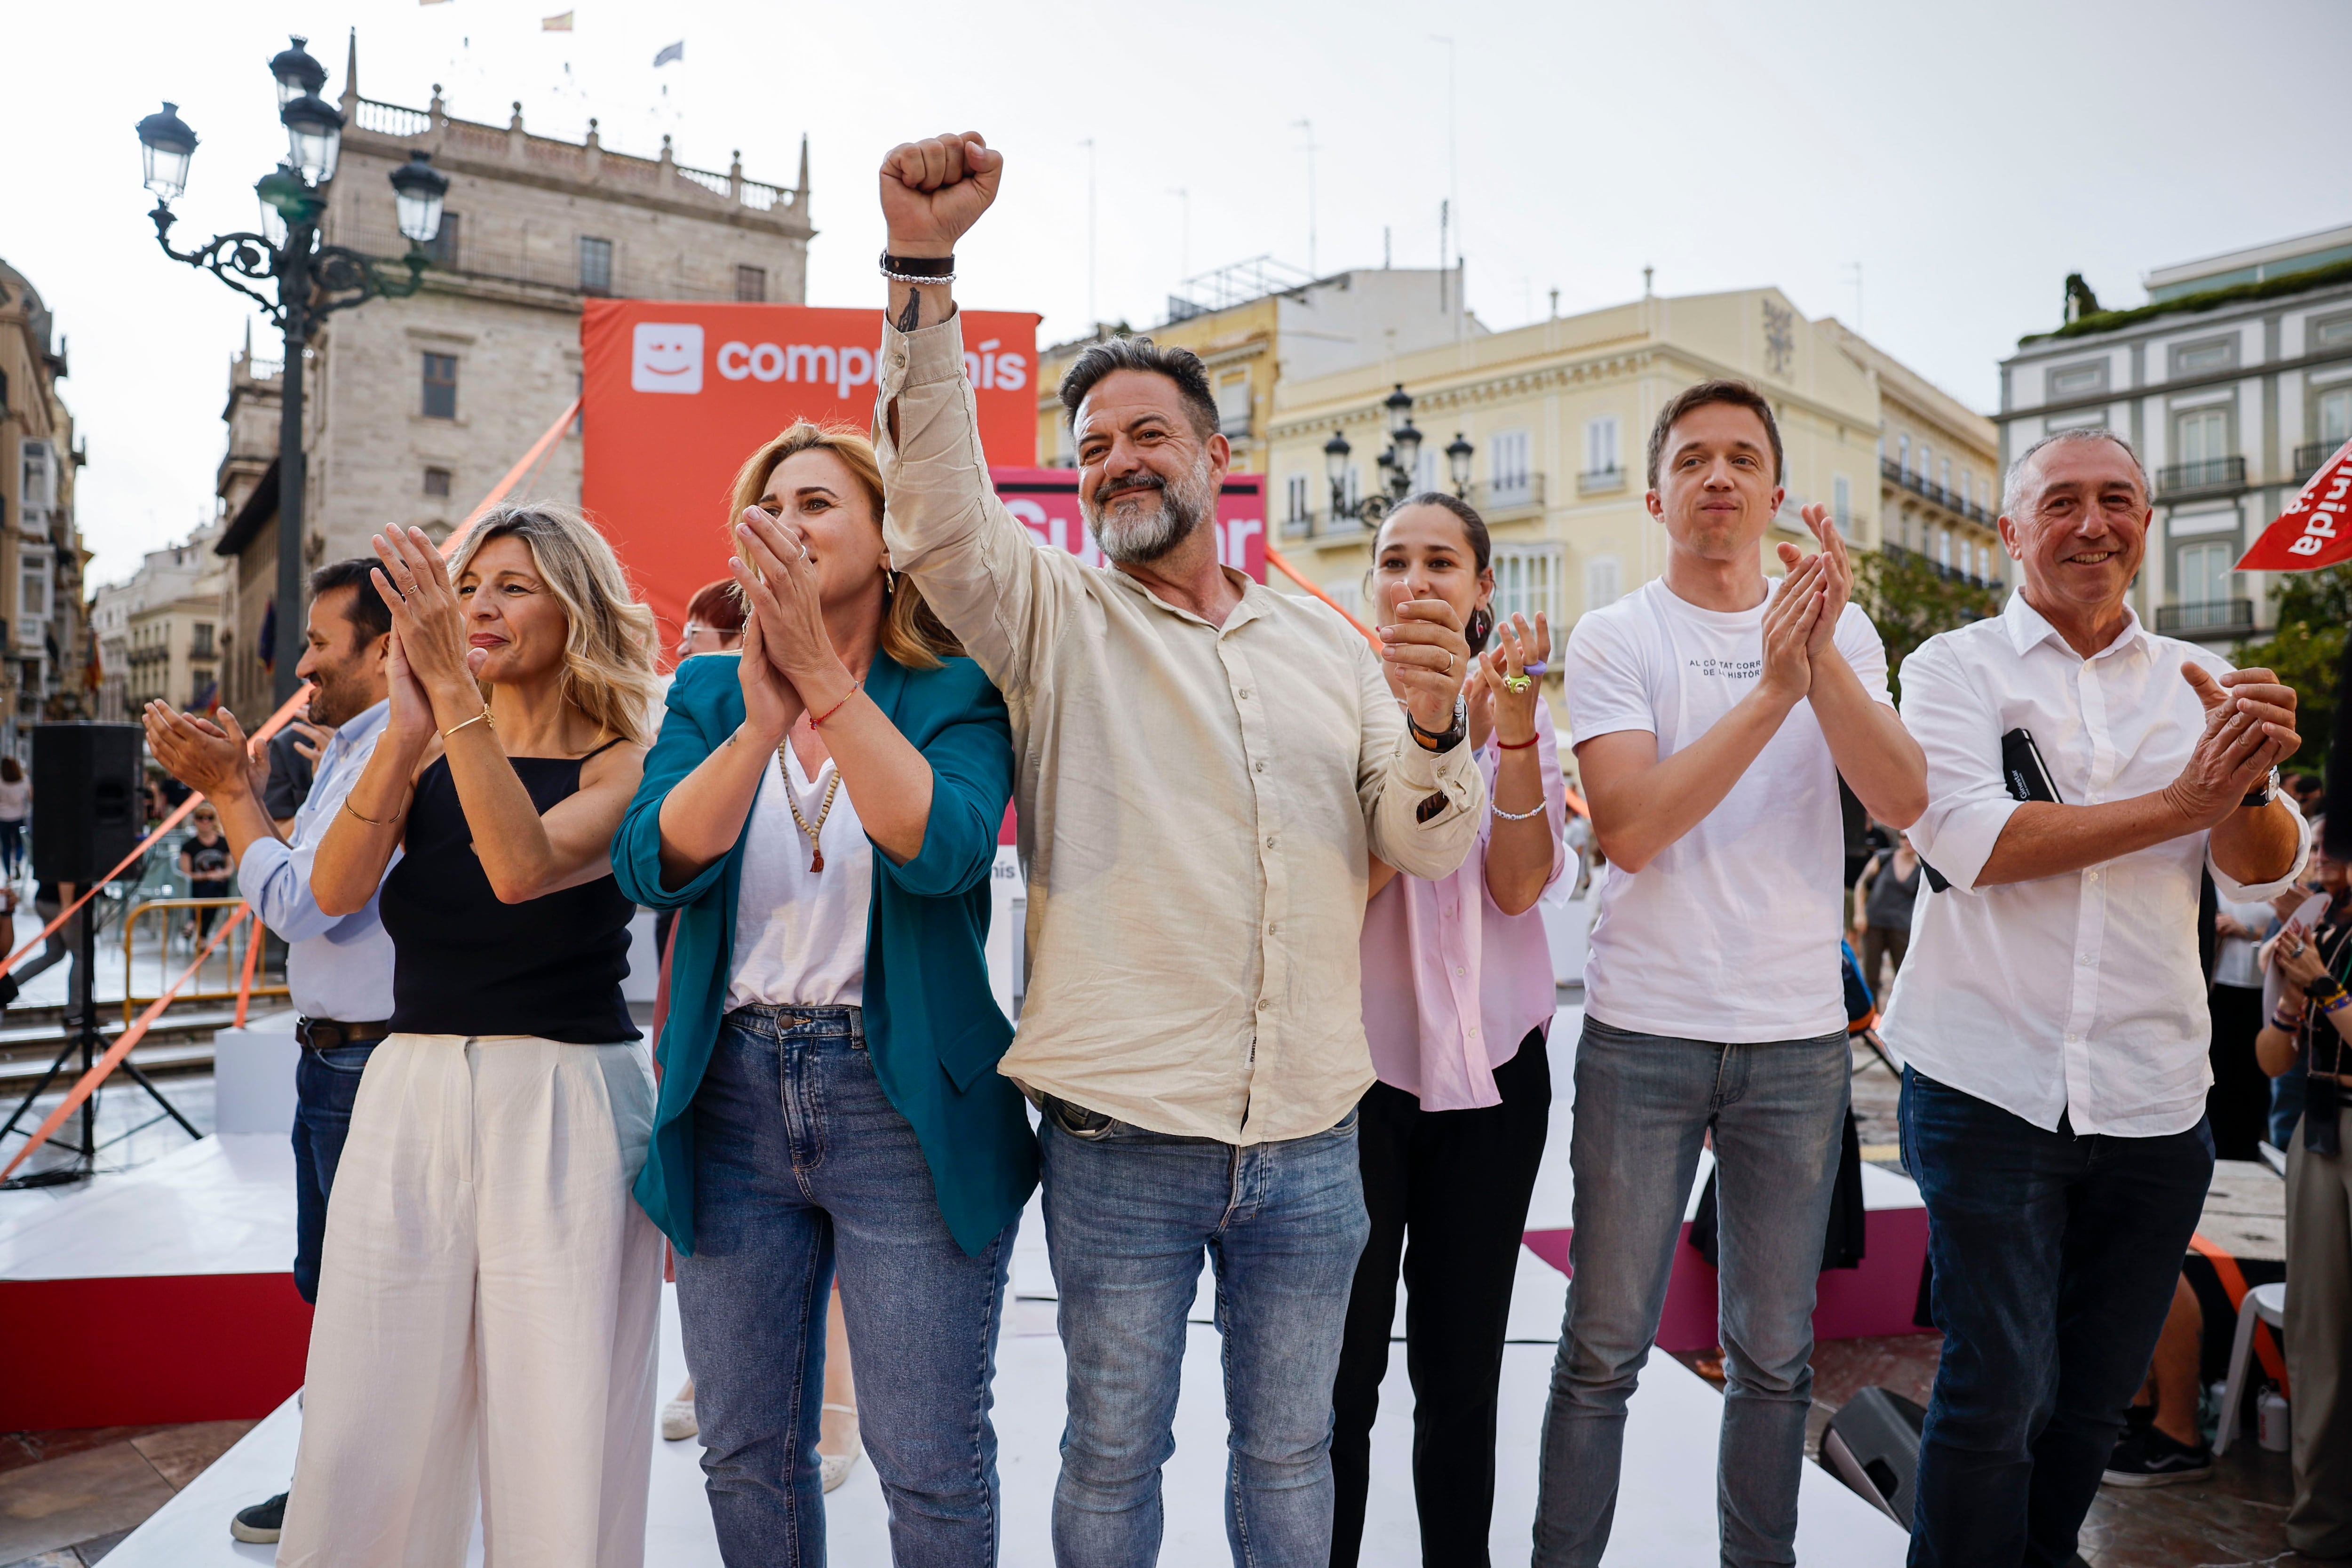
(2050,1016)
(1204,766)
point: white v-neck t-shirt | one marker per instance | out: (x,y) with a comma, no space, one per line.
(800,935)
(1730,935)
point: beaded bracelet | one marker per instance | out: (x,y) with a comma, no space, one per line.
(1514,816)
(818,722)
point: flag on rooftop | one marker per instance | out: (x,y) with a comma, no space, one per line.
(559,23)
(676,51)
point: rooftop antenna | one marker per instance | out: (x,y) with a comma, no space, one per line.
(1308,126)
(1645,281)
(1555,304)
(1453,182)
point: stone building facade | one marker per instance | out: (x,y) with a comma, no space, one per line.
(160,635)
(415,407)
(44,649)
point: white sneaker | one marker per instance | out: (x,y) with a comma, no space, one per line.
(834,1469)
(677,1422)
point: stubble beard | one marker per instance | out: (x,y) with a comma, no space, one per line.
(1134,538)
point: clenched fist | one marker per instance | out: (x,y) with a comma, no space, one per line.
(933,190)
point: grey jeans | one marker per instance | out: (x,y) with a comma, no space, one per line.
(1644,1104)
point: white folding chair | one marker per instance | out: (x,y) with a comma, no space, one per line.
(2267,1302)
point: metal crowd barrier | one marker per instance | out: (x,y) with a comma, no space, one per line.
(230,956)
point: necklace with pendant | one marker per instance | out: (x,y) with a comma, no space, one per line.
(792,799)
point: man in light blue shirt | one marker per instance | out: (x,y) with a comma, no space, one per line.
(338,969)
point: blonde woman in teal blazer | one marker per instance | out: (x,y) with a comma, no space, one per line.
(823,811)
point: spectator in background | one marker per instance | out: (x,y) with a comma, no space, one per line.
(63,946)
(2286,1088)
(2239,1104)
(208,863)
(2311,1027)
(2307,791)
(16,806)
(1882,902)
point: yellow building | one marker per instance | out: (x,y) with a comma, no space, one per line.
(1938,471)
(1254,323)
(1558,417)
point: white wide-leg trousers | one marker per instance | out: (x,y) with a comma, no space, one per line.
(488,1301)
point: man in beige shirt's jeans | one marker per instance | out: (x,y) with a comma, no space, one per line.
(1204,767)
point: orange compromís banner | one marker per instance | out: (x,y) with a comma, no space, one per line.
(676,394)
(2315,529)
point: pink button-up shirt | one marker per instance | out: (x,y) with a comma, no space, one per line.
(1452,983)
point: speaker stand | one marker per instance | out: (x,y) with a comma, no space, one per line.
(86,1040)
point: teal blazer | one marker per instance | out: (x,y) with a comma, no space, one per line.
(933,1027)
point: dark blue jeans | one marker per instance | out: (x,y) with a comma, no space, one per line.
(801,1163)
(1127,1217)
(2055,1257)
(325,1084)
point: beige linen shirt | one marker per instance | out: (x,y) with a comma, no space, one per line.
(1196,802)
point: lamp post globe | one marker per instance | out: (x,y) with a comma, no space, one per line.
(296,71)
(1335,460)
(1457,462)
(284,199)
(314,136)
(1400,406)
(167,144)
(1408,455)
(417,189)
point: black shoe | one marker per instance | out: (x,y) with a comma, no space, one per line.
(261,1522)
(2145,1457)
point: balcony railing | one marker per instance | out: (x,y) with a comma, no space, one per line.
(2213,617)
(1599,481)
(1953,502)
(1523,493)
(2308,458)
(2212,474)
(1948,574)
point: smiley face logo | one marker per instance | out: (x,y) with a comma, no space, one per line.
(667,356)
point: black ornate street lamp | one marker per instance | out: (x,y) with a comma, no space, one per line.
(312,279)
(1399,464)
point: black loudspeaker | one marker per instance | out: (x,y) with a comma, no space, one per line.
(87,812)
(1873,1445)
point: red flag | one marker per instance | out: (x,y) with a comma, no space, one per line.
(2315,529)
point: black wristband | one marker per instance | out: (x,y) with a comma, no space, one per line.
(940,266)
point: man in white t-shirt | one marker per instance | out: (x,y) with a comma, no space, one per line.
(1713,712)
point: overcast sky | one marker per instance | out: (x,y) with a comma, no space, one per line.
(1967,158)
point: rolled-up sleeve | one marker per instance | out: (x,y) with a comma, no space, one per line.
(981,571)
(274,876)
(1397,777)
(2239,892)
(1967,805)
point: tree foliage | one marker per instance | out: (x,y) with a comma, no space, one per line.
(2305,652)
(1910,599)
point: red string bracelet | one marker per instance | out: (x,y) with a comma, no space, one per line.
(1514,745)
(818,723)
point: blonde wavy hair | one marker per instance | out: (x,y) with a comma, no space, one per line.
(609,638)
(912,633)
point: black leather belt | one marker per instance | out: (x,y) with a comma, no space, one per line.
(326,1034)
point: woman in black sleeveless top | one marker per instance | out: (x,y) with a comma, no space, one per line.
(489,1289)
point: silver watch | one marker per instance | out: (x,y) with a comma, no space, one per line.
(2263,793)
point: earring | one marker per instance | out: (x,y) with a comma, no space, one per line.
(1480,627)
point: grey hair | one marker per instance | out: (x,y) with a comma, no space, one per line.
(2013,488)
(1180,365)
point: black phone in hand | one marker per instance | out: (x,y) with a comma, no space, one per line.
(2024,774)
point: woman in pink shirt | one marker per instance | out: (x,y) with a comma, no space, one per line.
(1457,1000)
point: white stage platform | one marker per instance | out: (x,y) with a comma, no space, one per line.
(1666,1510)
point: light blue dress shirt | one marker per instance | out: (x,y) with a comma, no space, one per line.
(336,967)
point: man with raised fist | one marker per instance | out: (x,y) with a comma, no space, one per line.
(1206,766)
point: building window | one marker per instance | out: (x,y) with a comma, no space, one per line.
(33,591)
(1297,495)
(1600,445)
(37,490)
(1527,581)
(2336,332)
(1842,503)
(1927,466)
(1944,548)
(2205,572)
(436,483)
(443,246)
(440,387)
(1944,478)
(2078,380)
(2202,436)
(751,283)
(2336,416)
(1506,467)
(2197,359)
(1234,404)
(1603,583)
(1903,456)
(200,640)
(595,266)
